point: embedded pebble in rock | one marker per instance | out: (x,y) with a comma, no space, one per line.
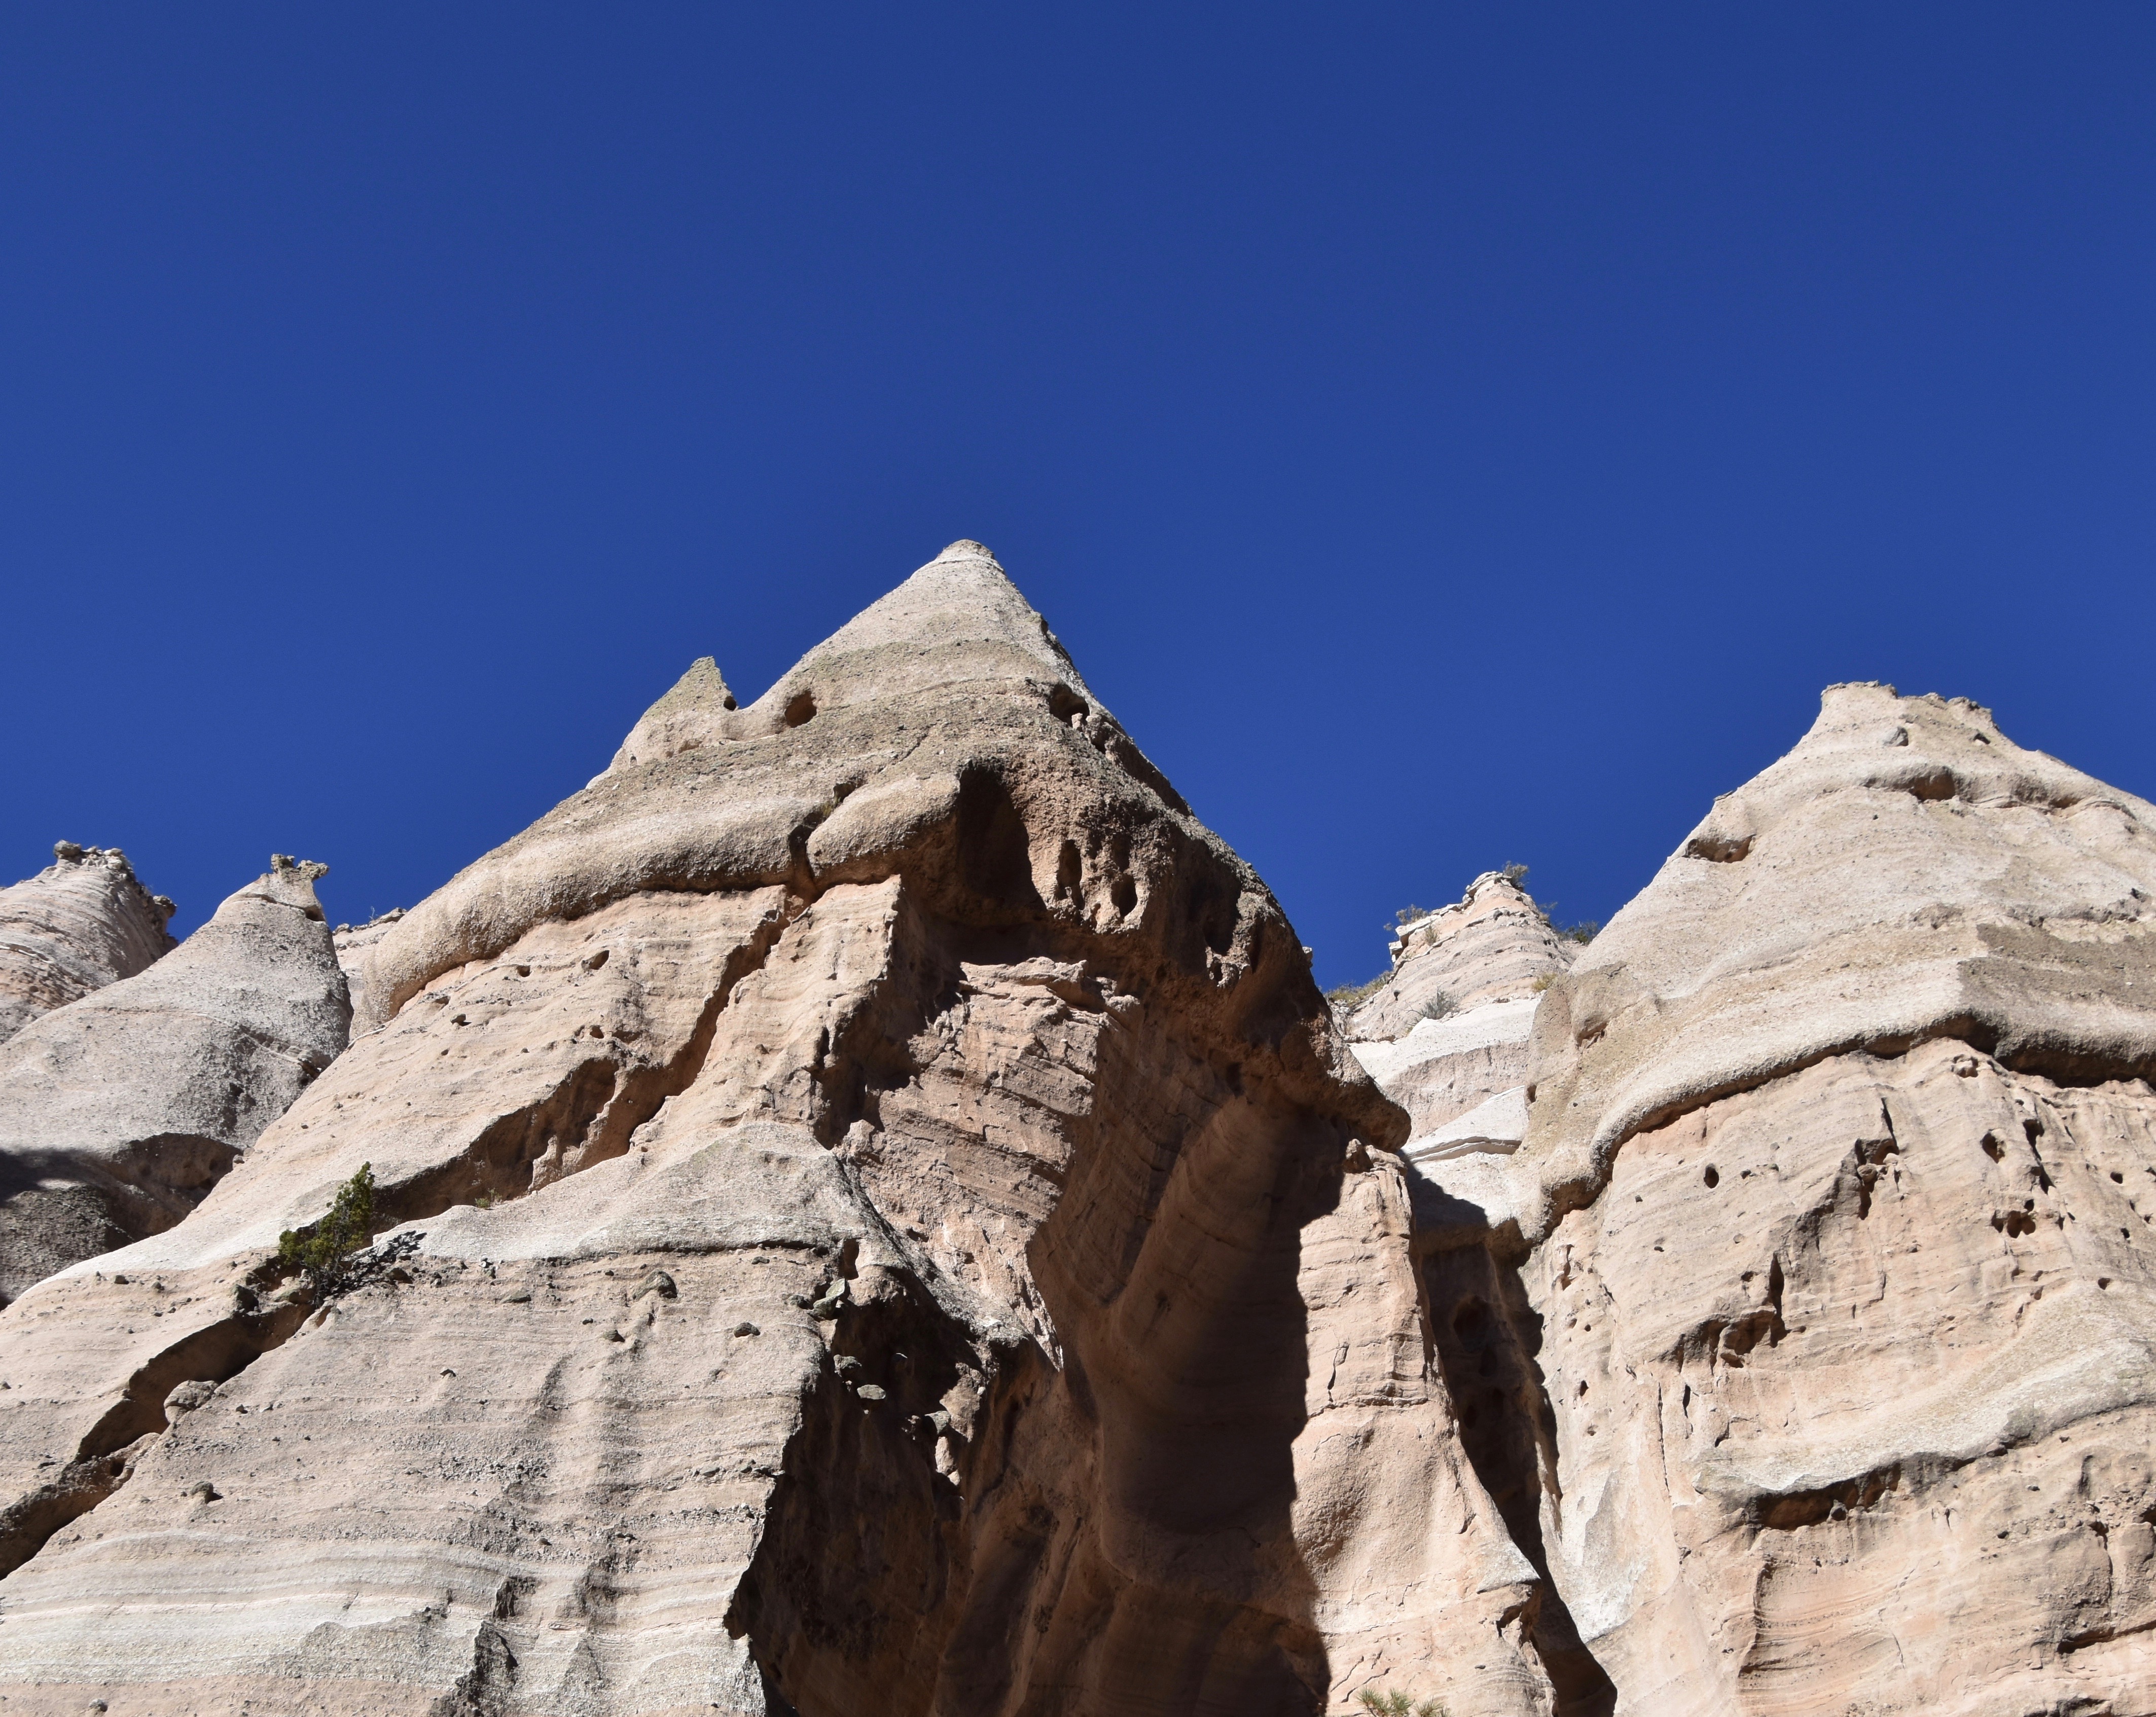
(81,922)
(120,1111)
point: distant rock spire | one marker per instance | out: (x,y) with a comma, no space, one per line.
(119,1111)
(83,922)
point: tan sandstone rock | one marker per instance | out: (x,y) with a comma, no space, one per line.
(880,1218)
(1446,1037)
(1809,1342)
(355,945)
(119,1111)
(81,922)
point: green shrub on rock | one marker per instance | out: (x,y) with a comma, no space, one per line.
(320,1252)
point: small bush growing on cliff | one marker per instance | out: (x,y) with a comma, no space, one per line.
(1392,1703)
(1347,996)
(1586,930)
(1514,873)
(1439,1005)
(321,1253)
(1409,915)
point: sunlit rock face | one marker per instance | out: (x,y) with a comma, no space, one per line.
(83,922)
(1446,1036)
(870,1213)
(121,1109)
(875,1216)
(1808,1342)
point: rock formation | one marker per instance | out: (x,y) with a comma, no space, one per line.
(355,945)
(81,922)
(872,1214)
(878,1217)
(1809,1342)
(119,1111)
(1446,1037)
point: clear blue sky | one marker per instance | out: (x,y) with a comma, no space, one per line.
(1443,436)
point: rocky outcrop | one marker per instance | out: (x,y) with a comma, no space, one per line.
(878,1217)
(1809,1342)
(872,1214)
(1491,947)
(1445,1036)
(355,945)
(121,1110)
(81,922)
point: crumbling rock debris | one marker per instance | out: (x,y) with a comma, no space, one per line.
(83,922)
(119,1111)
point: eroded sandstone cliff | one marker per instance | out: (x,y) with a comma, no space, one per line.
(1808,1341)
(878,1217)
(874,1215)
(121,1109)
(83,922)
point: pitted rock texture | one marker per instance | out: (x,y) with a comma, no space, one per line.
(83,922)
(878,1217)
(874,1215)
(1808,1341)
(119,1111)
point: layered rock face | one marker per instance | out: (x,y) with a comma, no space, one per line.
(1809,1342)
(878,1217)
(119,1111)
(82,923)
(1446,1037)
(872,1214)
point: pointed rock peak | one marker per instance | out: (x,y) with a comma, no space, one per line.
(958,617)
(1906,872)
(703,687)
(697,710)
(1494,945)
(83,922)
(1869,738)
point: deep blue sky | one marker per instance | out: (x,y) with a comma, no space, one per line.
(1442,437)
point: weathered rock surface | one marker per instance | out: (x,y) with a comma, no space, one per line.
(1491,947)
(83,922)
(1446,1037)
(883,1221)
(1809,1342)
(874,1215)
(355,945)
(119,1111)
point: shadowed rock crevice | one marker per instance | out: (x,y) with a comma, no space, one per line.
(106,1456)
(1488,1336)
(879,1116)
